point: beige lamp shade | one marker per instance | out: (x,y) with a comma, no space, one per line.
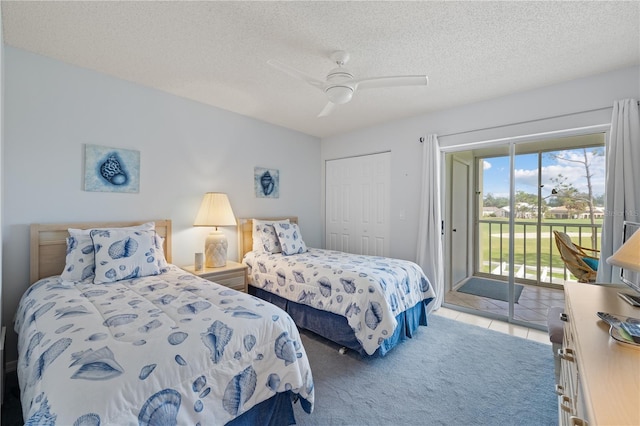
(628,255)
(215,211)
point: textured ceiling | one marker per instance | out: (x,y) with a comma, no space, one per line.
(217,52)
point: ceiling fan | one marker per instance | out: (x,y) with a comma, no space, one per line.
(340,84)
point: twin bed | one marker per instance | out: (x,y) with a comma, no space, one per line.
(368,304)
(110,332)
(165,348)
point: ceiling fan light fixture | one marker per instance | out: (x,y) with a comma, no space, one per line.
(339,94)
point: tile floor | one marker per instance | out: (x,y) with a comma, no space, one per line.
(531,307)
(496,325)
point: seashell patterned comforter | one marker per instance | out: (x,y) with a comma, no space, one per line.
(369,291)
(164,349)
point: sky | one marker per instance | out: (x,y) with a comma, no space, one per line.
(496,172)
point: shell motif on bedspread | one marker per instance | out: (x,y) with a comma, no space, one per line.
(33,342)
(141,353)
(96,365)
(348,285)
(298,276)
(369,291)
(286,349)
(47,357)
(90,419)
(325,286)
(373,316)
(160,409)
(239,390)
(218,335)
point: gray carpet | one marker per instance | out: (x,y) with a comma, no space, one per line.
(449,374)
(493,289)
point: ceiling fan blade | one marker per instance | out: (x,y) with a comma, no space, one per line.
(328,108)
(405,80)
(287,69)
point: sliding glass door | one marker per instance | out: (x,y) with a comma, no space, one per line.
(523,192)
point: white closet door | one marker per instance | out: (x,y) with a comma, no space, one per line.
(357,204)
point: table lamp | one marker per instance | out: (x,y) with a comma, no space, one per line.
(215,211)
(627,257)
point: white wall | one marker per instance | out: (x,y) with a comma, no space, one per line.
(532,109)
(52,109)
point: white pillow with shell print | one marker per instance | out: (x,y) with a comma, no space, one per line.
(259,228)
(290,238)
(80,264)
(124,254)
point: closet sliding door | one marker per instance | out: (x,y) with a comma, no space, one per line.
(357,204)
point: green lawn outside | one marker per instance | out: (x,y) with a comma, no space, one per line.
(526,247)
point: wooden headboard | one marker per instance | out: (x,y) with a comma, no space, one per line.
(245,233)
(48,250)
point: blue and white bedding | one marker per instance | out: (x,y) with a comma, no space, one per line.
(164,349)
(369,291)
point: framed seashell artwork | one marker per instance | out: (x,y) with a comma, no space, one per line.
(111,169)
(266,182)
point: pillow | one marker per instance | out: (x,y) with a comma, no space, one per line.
(124,254)
(270,242)
(290,238)
(162,260)
(592,263)
(149,226)
(79,264)
(257,231)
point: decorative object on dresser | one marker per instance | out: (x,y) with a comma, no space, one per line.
(215,211)
(232,275)
(198,263)
(627,257)
(599,374)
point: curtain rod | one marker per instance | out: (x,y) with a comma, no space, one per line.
(521,122)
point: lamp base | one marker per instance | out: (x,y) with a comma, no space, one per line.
(215,250)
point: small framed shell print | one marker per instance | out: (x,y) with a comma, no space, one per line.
(266,182)
(111,169)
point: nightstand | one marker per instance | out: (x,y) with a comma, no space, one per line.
(232,275)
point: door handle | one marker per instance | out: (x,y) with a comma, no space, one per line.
(454,230)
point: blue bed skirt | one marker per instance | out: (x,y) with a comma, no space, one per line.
(277,410)
(335,327)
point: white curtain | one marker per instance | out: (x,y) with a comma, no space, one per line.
(429,253)
(622,192)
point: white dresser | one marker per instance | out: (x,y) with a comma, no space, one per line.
(599,378)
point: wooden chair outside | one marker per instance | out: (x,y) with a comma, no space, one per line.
(574,257)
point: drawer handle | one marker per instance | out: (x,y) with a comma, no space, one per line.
(577,421)
(566,354)
(564,317)
(565,404)
(559,390)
